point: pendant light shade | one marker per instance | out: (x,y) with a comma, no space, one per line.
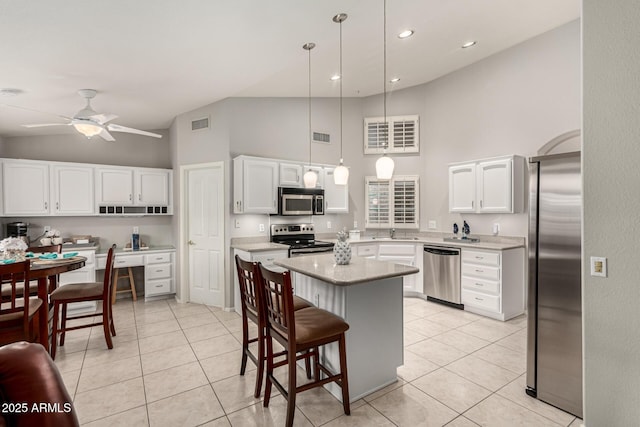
(385,164)
(384,167)
(340,173)
(310,178)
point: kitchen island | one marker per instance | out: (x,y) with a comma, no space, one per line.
(367,293)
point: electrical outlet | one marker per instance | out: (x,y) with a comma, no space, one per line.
(432,224)
(355,225)
(261,228)
(495,229)
(136,230)
(598,266)
(329,224)
(237,223)
(47,228)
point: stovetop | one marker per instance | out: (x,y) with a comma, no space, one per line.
(297,236)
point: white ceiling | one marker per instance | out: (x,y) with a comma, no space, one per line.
(151,60)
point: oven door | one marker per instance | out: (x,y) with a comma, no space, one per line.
(295,252)
(296,204)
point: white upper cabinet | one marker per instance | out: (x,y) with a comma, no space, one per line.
(114,186)
(487,186)
(336,197)
(72,189)
(25,188)
(494,186)
(153,187)
(290,175)
(462,188)
(255,185)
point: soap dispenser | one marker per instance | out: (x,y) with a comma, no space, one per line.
(455,230)
(465,230)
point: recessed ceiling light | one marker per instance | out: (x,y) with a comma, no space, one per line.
(394,80)
(405,34)
(335,77)
(469,44)
(10,92)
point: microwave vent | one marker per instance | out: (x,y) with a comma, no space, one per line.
(199,124)
(322,137)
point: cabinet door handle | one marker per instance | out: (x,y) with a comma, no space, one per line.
(46,205)
(479,271)
(130,197)
(159,271)
(159,286)
(57,206)
(479,284)
(480,204)
(140,197)
(479,257)
(479,299)
(472,204)
(191,242)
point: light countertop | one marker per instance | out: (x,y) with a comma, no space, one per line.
(152,249)
(359,270)
(439,241)
(258,246)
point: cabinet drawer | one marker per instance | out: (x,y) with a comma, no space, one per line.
(128,261)
(483,301)
(480,271)
(268,258)
(480,257)
(157,287)
(157,271)
(157,258)
(481,285)
(367,250)
(89,255)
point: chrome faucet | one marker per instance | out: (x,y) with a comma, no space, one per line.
(392,232)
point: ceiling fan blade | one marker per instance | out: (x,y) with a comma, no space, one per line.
(117,128)
(103,118)
(104,134)
(39,125)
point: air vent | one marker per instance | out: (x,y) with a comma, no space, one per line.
(324,138)
(200,124)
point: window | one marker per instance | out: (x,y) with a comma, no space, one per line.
(404,136)
(392,203)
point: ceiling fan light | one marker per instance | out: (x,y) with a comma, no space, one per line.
(341,175)
(384,167)
(310,179)
(87,129)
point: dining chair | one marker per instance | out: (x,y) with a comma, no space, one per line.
(253,309)
(302,331)
(18,314)
(78,292)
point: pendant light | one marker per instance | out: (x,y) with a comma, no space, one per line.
(340,173)
(310,178)
(385,164)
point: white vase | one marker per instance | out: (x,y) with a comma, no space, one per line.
(342,252)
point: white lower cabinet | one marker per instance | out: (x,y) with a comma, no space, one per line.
(159,269)
(399,253)
(266,258)
(493,282)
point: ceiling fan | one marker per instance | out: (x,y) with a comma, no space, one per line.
(89,123)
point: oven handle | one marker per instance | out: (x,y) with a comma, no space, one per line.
(301,251)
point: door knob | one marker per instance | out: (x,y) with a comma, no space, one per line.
(191,242)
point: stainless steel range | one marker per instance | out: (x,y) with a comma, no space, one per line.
(301,239)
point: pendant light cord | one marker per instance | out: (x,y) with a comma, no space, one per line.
(308,47)
(384,74)
(341,161)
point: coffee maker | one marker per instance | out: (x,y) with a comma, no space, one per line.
(19,230)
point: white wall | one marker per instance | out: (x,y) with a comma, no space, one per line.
(611,204)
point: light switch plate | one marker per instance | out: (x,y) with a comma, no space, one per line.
(136,230)
(432,224)
(598,266)
(261,228)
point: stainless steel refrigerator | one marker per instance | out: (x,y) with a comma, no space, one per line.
(554,339)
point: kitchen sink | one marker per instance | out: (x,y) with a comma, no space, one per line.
(459,240)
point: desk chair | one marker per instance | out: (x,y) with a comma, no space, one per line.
(77,292)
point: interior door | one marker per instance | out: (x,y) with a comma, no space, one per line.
(205,200)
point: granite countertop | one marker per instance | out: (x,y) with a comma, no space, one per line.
(258,246)
(484,243)
(152,249)
(360,270)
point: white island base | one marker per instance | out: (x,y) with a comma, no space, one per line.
(374,312)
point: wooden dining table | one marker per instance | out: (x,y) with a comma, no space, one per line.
(46,272)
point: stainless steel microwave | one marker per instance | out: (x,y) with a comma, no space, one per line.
(300,201)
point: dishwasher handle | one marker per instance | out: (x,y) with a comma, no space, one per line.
(441,251)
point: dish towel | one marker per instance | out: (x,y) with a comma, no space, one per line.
(69,254)
(8,261)
(48,256)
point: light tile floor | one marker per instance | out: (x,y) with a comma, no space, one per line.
(178,365)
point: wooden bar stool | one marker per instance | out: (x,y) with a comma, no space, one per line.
(299,331)
(132,284)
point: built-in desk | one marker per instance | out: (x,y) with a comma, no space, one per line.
(158,263)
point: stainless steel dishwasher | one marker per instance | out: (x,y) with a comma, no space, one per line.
(441,275)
